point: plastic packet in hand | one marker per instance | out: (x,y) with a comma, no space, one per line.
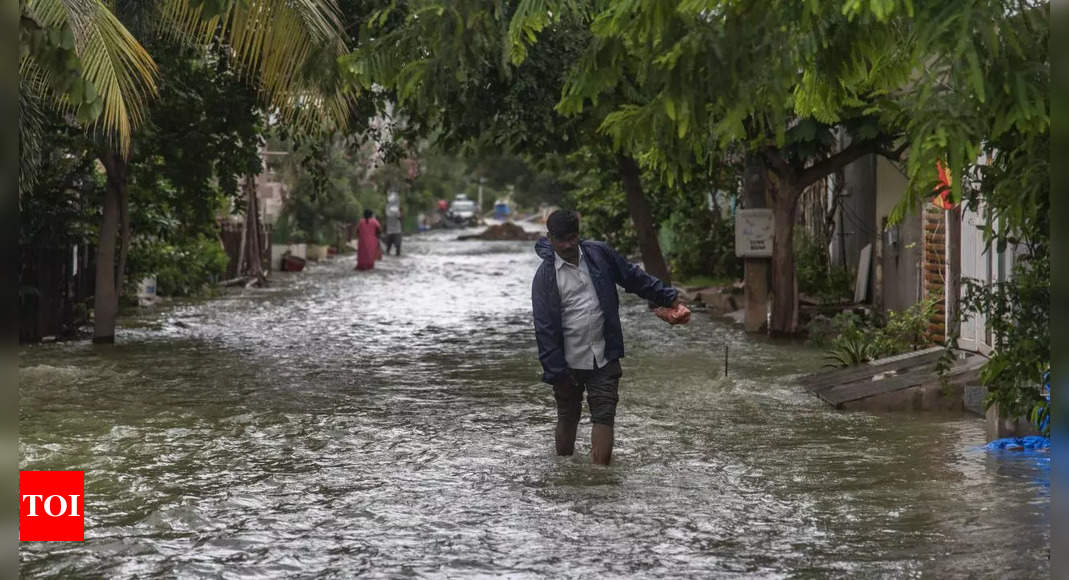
(680,314)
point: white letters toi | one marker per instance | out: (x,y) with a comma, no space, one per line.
(54,505)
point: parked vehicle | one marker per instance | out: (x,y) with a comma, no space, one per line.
(462,213)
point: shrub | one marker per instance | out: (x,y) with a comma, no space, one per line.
(181,268)
(1018,314)
(816,276)
(853,339)
(701,242)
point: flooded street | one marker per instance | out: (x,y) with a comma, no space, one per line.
(392,423)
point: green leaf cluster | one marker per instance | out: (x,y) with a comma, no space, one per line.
(853,339)
(183,268)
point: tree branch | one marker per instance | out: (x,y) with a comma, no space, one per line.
(829,165)
(893,154)
(779,165)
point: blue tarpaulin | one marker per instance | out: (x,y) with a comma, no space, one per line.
(1031,442)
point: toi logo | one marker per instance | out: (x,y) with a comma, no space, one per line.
(51,506)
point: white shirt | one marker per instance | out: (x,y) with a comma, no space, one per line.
(581,316)
(393,219)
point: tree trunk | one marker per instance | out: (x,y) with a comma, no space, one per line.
(124,229)
(253,253)
(239,270)
(106,293)
(784,289)
(642,217)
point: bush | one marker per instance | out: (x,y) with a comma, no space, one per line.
(1018,314)
(700,242)
(822,331)
(605,217)
(906,330)
(182,268)
(816,276)
(853,339)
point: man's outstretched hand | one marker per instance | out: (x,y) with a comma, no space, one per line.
(677,313)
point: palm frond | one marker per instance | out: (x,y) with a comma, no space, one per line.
(113,63)
(290,48)
(31,130)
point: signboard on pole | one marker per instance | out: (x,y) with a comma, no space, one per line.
(753,233)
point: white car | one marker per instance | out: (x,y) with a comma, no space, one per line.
(462,212)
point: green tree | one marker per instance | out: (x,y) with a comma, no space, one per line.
(287,50)
(80,57)
(988,95)
(449,65)
(201,135)
(778,81)
(747,79)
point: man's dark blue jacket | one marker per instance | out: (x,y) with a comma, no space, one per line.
(607,269)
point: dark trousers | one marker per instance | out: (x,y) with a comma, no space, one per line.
(393,240)
(601,386)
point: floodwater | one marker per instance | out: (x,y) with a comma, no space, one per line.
(391,424)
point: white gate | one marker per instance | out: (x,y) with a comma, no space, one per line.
(980,262)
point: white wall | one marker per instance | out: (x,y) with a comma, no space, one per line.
(890,187)
(901,263)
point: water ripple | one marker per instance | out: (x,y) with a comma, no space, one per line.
(391,423)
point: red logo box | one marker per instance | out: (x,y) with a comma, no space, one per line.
(52,506)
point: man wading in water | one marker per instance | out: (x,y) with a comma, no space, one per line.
(577,325)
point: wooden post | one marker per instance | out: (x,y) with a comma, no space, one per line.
(953,282)
(877,285)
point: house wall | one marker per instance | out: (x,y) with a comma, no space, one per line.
(855,224)
(903,244)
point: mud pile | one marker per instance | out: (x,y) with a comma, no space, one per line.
(507,231)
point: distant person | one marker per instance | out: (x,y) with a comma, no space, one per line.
(577,326)
(367,241)
(394,217)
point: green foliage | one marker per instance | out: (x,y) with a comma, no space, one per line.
(59,206)
(853,339)
(604,214)
(1002,110)
(702,242)
(822,330)
(984,84)
(849,351)
(848,337)
(285,231)
(905,330)
(531,182)
(203,133)
(184,268)
(595,191)
(78,56)
(1018,315)
(817,277)
(716,76)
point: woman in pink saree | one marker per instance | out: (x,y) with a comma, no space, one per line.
(367,241)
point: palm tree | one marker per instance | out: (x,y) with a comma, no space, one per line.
(79,56)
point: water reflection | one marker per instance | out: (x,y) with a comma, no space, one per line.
(392,423)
